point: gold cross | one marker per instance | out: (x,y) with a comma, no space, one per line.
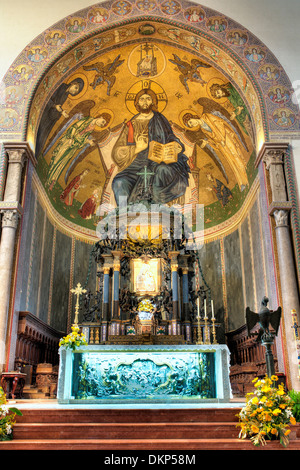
(77,291)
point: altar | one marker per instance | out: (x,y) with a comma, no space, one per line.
(150,329)
(144,374)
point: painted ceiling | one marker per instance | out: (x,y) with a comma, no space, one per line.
(212,82)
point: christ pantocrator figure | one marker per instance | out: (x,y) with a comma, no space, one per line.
(131,153)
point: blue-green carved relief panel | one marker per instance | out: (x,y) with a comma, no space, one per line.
(139,375)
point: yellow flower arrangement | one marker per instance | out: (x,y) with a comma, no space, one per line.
(267,413)
(74,339)
(145,306)
(7,418)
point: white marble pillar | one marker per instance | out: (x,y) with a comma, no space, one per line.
(289,289)
(11,211)
(273,156)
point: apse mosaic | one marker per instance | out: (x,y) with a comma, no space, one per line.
(214,92)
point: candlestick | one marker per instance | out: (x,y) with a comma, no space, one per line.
(206,331)
(212,310)
(214,330)
(199,332)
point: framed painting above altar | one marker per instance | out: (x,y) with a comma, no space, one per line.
(146,276)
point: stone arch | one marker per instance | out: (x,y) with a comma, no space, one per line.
(31,66)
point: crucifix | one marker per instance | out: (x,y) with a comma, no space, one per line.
(77,291)
(146,174)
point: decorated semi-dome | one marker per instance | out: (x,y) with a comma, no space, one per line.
(220,89)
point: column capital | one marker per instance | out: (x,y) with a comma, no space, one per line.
(281,217)
(173,255)
(16,156)
(18,152)
(117,254)
(273,156)
(10,218)
(271,150)
(280,206)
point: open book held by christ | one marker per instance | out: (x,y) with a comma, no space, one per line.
(166,153)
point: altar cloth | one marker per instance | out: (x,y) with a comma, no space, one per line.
(144,373)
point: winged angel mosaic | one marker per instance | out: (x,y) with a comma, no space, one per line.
(142,137)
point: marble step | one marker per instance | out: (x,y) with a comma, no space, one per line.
(133,429)
(143,444)
(139,415)
(125,430)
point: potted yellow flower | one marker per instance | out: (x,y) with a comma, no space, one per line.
(74,340)
(267,413)
(7,418)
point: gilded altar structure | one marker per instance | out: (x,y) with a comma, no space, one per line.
(151,335)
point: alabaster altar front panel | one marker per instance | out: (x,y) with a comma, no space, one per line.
(145,373)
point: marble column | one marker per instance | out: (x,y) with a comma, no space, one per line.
(175,325)
(116,283)
(185,293)
(289,287)
(185,304)
(273,156)
(11,211)
(105,307)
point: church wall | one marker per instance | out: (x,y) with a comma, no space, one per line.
(210,257)
(247,268)
(258,259)
(28,234)
(233,278)
(52,263)
(61,281)
(84,265)
(46,271)
(35,259)
(247,263)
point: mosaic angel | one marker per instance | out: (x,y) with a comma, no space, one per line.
(77,137)
(104,73)
(189,71)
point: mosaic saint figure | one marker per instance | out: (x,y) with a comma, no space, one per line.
(132,154)
(54,111)
(77,137)
(71,191)
(88,208)
(220,135)
(220,91)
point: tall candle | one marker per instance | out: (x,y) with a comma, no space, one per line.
(205,316)
(212,310)
(198,308)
